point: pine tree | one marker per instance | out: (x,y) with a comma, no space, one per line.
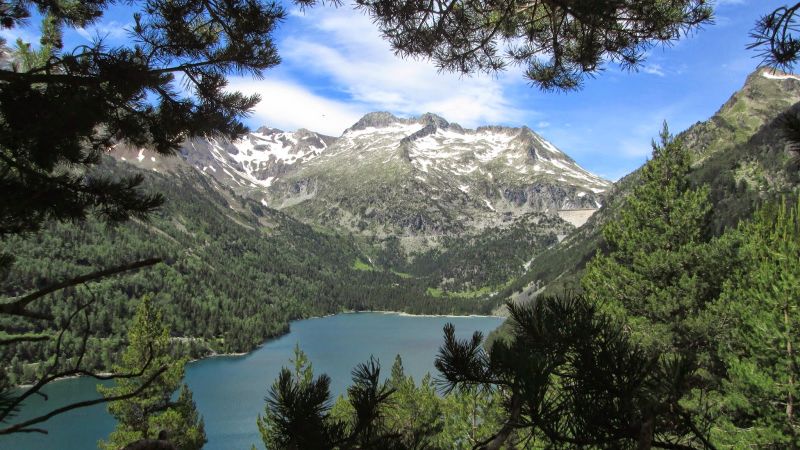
(299,413)
(659,270)
(152,414)
(303,375)
(571,377)
(415,412)
(558,42)
(62,108)
(776,34)
(760,310)
(471,416)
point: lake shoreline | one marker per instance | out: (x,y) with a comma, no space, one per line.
(278,336)
(229,392)
(395,313)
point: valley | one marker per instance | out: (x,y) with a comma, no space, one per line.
(246,247)
(414,215)
(380,224)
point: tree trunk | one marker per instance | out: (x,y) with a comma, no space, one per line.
(792,370)
(500,438)
(646,434)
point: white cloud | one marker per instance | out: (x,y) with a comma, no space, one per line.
(289,106)
(112,30)
(11,36)
(653,69)
(344,49)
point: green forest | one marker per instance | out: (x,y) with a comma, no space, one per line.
(678,338)
(668,321)
(233,274)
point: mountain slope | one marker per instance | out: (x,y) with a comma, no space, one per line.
(387,176)
(234,272)
(461,211)
(739,154)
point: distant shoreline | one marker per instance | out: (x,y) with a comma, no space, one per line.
(269,339)
(405,314)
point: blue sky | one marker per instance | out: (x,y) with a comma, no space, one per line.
(336,68)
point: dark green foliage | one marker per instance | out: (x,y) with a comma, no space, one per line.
(230,278)
(152,414)
(776,34)
(298,412)
(61,109)
(757,318)
(423,419)
(576,37)
(460,263)
(416,413)
(571,377)
(659,271)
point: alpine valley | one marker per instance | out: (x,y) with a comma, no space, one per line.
(420,195)
(415,215)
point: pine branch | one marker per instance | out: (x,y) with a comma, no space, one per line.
(23,427)
(18,306)
(22,338)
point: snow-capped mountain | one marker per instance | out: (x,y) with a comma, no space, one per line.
(257,159)
(392,176)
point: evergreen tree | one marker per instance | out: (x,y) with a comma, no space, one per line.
(62,108)
(415,412)
(299,414)
(759,313)
(577,37)
(152,414)
(776,34)
(471,416)
(571,377)
(303,375)
(659,270)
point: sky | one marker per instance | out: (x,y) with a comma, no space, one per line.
(335,68)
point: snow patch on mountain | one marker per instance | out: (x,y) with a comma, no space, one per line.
(778,75)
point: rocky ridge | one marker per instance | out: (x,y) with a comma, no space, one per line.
(385,175)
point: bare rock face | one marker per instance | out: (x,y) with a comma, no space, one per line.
(427,176)
(418,176)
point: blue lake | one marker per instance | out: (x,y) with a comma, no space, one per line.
(229,391)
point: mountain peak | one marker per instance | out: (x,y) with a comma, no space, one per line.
(268,130)
(380,119)
(374,119)
(433,119)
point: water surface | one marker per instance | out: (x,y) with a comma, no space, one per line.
(229,391)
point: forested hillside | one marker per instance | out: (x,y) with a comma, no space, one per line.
(475,265)
(233,273)
(682,338)
(739,153)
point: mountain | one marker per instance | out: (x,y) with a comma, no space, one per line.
(256,160)
(739,154)
(461,211)
(416,177)
(234,272)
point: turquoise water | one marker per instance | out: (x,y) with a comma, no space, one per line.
(229,391)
